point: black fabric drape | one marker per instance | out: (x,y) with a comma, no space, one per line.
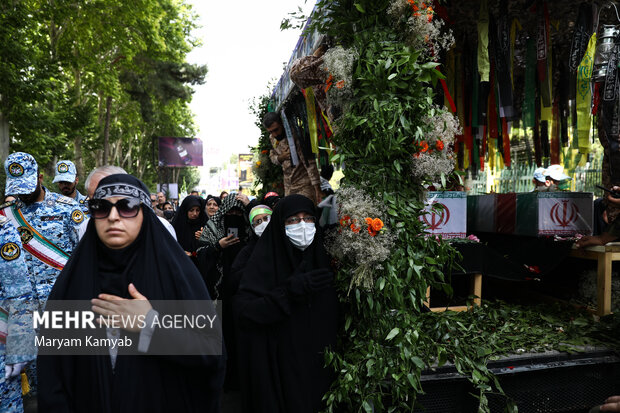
(160,270)
(282,338)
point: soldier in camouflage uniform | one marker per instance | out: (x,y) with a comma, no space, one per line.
(16,304)
(66,177)
(47,224)
(50,215)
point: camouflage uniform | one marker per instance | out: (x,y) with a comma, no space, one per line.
(300,179)
(81,200)
(55,218)
(16,300)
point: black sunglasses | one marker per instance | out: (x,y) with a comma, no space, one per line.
(126,207)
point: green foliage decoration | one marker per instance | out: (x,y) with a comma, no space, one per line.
(387,342)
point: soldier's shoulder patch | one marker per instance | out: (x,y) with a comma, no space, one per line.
(77,216)
(10,251)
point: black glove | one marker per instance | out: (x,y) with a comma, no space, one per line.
(301,284)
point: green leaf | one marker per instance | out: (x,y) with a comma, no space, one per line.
(360,8)
(367,407)
(392,333)
(418,362)
(375,104)
(430,65)
(411,379)
(392,76)
(397,166)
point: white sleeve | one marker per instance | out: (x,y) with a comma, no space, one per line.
(81,229)
(169,227)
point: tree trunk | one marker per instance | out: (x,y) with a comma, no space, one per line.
(106,131)
(77,141)
(79,158)
(4,137)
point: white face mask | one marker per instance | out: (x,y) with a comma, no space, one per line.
(260,228)
(301,235)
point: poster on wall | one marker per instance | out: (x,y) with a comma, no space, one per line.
(180,152)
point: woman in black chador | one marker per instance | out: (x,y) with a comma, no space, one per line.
(126,253)
(287,313)
(190,218)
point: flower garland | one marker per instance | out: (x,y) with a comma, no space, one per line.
(433,157)
(422,30)
(339,62)
(365,250)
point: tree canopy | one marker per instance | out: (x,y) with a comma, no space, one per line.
(97,81)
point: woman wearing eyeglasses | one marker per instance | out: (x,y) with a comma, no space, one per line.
(120,258)
(286,312)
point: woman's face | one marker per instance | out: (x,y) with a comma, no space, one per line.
(193,212)
(168,207)
(212,207)
(115,231)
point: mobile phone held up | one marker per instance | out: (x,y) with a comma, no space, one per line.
(613,194)
(233,231)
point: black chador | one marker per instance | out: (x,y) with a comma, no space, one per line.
(287,312)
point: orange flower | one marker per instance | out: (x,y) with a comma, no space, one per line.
(369,221)
(371,232)
(345,221)
(258,163)
(340,84)
(329,83)
(264,151)
(355,229)
(423,146)
(377,224)
(430,18)
(439,145)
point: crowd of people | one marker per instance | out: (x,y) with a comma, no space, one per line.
(263,259)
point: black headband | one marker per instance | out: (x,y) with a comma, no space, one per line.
(123,189)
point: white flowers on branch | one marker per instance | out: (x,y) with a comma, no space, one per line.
(423,31)
(434,156)
(361,238)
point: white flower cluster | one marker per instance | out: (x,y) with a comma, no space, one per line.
(441,126)
(421,27)
(358,246)
(339,62)
(432,166)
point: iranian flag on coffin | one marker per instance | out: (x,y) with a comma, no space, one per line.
(451,221)
(565,215)
(554,213)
